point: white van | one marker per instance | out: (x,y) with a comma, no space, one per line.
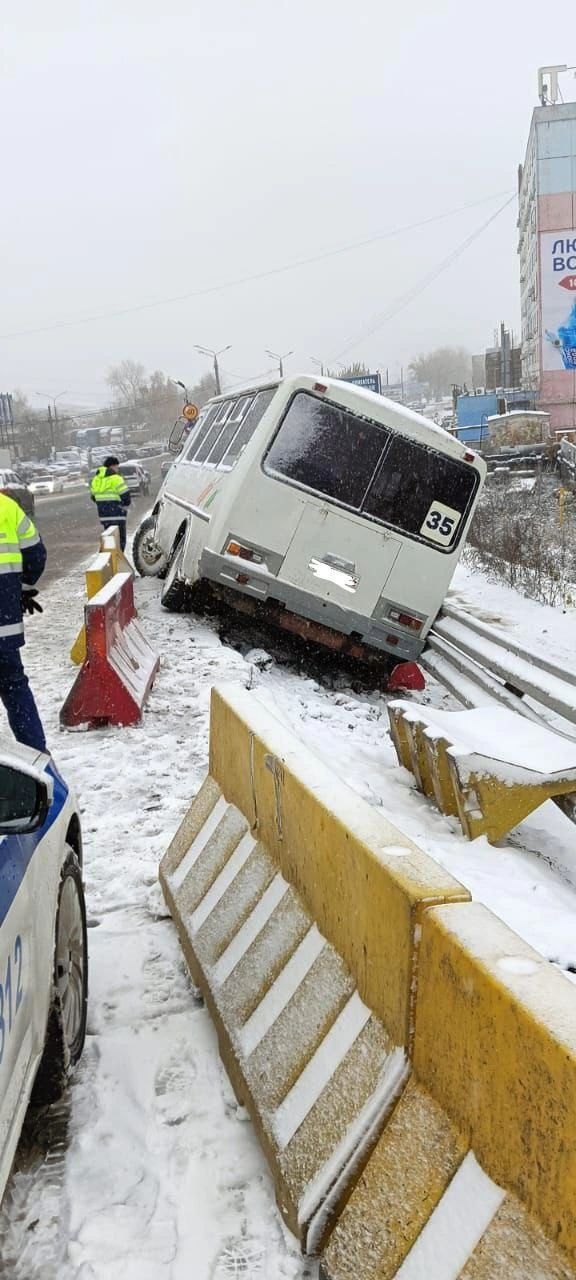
(331,511)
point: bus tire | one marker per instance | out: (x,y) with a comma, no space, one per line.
(174,591)
(149,560)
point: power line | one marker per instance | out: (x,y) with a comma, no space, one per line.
(38,420)
(249,279)
(422,284)
(147,403)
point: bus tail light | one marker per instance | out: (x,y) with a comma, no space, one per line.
(405,619)
(244,553)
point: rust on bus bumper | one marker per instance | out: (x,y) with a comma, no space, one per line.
(288,607)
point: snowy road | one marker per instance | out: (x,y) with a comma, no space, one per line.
(69,524)
(160,1176)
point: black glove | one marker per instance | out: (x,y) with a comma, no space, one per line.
(29,602)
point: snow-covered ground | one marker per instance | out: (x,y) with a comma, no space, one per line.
(161,1177)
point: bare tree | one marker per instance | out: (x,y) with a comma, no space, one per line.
(442,368)
(128,382)
(355,370)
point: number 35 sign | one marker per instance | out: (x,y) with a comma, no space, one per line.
(441,524)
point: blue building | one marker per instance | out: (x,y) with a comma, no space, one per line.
(472,412)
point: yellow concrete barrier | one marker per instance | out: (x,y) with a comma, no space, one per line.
(99,572)
(109,561)
(300,912)
(493,786)
(110,541)
(475,1174)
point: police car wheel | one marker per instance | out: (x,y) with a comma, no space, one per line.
(66,1029)
(150,561)
(174,592)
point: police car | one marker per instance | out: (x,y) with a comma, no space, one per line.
(43,951)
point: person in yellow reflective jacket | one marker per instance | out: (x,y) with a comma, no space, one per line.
(112,497)
(22,560)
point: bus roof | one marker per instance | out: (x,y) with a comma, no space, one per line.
(348,395)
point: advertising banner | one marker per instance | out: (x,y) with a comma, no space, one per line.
(371,381)
(558,294)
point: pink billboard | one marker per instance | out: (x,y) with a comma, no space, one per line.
(558,300)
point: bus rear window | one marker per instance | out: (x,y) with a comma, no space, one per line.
(374,470)
(421,492)
(325,448)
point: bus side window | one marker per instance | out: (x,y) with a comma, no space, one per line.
(233,422)
(246,430)
(207,444)
(199,433)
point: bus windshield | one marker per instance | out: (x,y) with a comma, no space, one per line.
(372,469)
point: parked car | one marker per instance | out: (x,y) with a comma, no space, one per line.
(13,485)
(43,969)
(136,477)
(47,482)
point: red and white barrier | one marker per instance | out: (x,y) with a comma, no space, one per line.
(118,671)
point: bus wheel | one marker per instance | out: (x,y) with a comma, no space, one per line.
(174,591)
(149,560)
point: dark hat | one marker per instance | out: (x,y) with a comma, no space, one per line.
(111,461)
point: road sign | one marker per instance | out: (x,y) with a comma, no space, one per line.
(190,412)
(371,381)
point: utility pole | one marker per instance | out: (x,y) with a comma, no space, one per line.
(52,420)
(275,356)
(207,351)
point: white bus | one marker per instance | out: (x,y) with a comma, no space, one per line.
(327,509)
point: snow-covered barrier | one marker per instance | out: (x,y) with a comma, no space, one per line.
(489,766)
(300,911)
(109,561)
(110,542)
(119,668)
(475,1174)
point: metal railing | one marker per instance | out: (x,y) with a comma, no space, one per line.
(481,665)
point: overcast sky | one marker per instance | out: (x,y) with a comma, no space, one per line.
(152,149)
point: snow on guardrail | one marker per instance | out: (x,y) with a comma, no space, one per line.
(481,667)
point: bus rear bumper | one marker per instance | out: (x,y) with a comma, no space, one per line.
(321,621)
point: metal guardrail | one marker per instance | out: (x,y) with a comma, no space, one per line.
(480,666)
(568,462)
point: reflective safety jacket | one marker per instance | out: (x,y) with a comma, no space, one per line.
(111,494)
(22,560)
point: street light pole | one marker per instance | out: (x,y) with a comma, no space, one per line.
(276,356)
(52,421)
(319,364)
(207,351)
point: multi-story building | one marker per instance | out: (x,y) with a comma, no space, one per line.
(547,249)
(500,368)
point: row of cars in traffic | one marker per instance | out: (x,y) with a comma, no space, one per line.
(30,480)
